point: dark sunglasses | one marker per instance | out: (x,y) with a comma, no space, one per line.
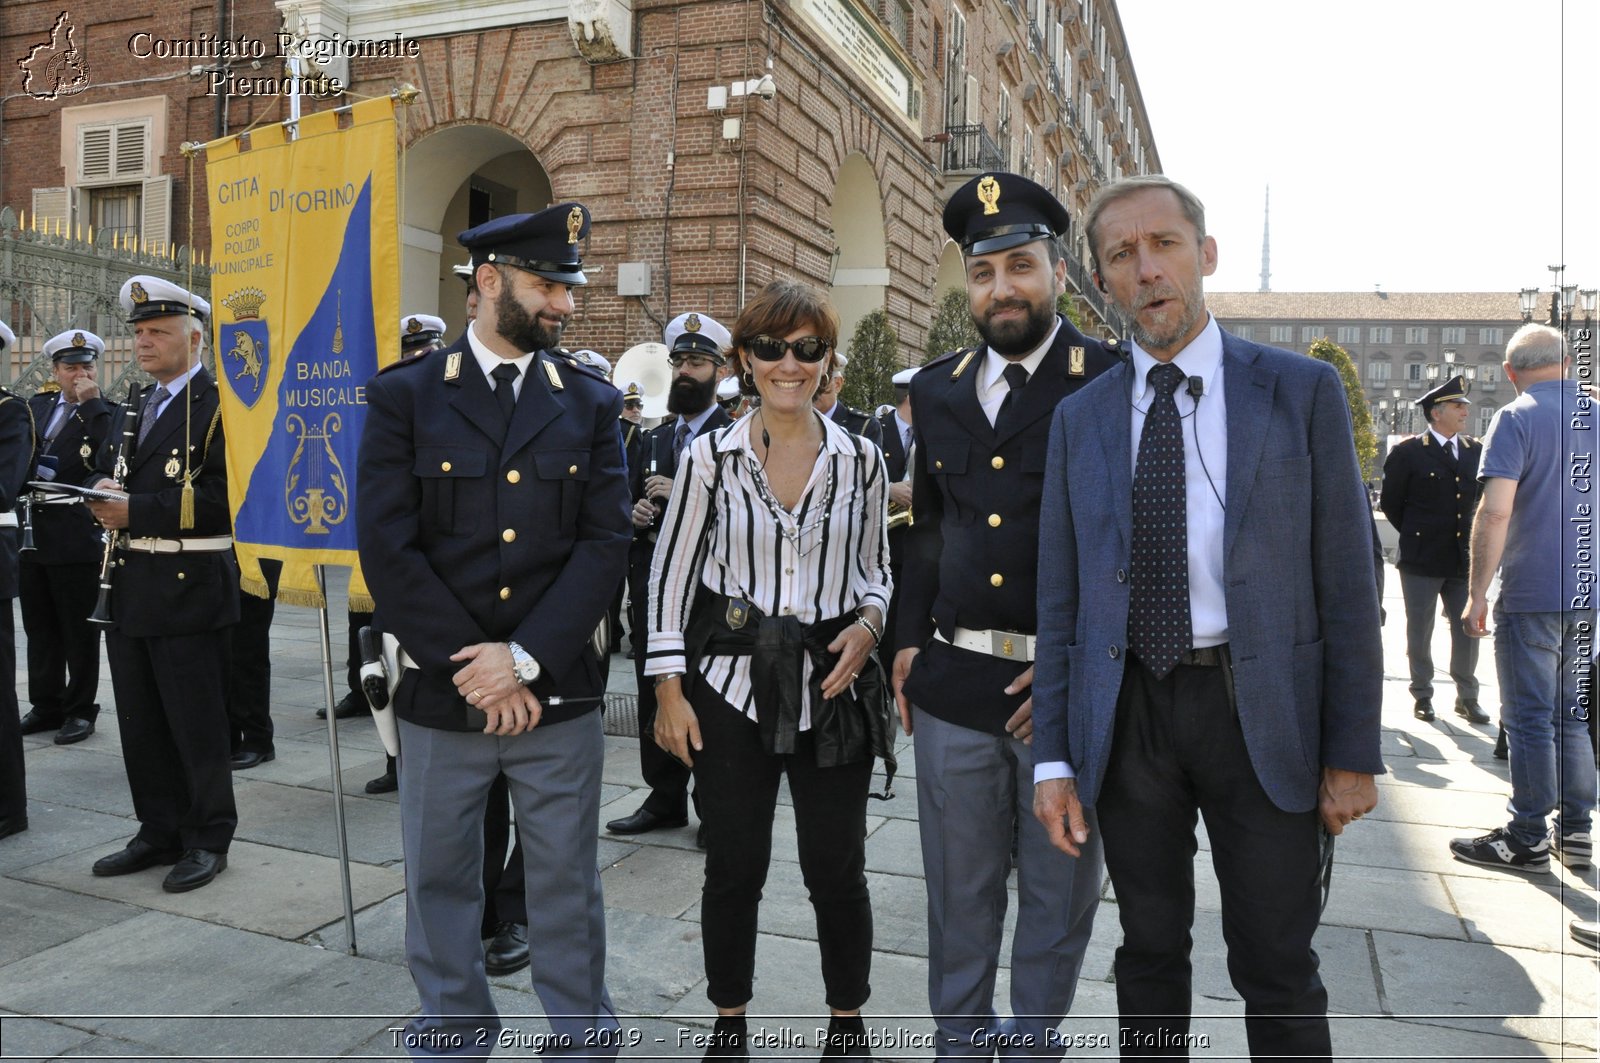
(806,348)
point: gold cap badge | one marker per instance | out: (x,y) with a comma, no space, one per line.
(413,326)
(574,224)
(691,323)
(989,194)
(138,294)
(78,340)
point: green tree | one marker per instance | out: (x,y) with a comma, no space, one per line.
(952,326)
(1325,350)
(874,360)
(1068,305)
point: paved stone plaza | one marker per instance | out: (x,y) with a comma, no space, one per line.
(1424,957)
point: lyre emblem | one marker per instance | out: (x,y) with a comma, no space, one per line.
(1008,647)
(574,224)
(315,491)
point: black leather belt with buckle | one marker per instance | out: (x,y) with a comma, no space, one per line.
(1206,656)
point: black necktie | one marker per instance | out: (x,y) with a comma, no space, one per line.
(1159,629)
(505,393)
(1016,379)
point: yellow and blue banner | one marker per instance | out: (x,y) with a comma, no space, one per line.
(305,295)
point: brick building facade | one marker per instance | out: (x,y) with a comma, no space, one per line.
(703,181)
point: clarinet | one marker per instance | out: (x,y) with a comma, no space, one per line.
(119,472)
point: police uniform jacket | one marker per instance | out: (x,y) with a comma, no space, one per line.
(16,462)
(893,447)
(185,593)
(472,530)
(68,534)
(853,420)
(657,450)
(972,552)
(1429,498)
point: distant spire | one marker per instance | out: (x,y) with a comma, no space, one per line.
(1266,243)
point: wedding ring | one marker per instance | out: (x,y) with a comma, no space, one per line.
(475,694)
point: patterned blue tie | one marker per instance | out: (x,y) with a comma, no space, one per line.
(1159,629)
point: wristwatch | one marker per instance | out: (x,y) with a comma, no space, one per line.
(523,664)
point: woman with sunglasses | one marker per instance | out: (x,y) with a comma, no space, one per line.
(768,587)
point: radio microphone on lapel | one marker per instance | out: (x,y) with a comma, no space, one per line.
(1196,386)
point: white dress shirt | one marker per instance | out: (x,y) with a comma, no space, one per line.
(992,386)
(488,361)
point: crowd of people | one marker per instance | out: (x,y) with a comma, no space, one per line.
(1105,585)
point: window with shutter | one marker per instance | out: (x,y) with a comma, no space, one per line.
(113,153)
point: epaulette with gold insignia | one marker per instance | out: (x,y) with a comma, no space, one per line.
(404,359)
(571,361)
(49,387)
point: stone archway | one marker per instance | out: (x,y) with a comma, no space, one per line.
(951,273)
(454,177)
(860,274)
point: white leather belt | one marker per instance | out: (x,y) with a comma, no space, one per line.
(8,520)
(212,544)
(1011,645)
(404,658)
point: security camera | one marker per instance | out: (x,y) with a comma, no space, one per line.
(766,88)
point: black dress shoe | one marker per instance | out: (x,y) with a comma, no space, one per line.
(1423,709)
(508,951)
(387,783)
(1470,710)
(136,856)
(37,722)
(348,706)
(1500,750)
(10,825)
(250,758)
(728,1039)
(198,867)
(74,730)
(847,1038)
(644,821)
(700,836)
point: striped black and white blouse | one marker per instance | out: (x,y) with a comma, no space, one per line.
(827,557)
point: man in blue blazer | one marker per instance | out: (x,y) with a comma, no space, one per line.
(1208,634)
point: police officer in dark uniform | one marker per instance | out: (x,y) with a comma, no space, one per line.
(964,634)
(697,346)
(16,458)
(493,527)
(894,431)
(175,591)
(829,404)
(1430,492)
(60,576)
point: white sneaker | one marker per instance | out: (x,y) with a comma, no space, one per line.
(1574,850)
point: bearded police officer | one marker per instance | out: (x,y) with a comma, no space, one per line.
(175,591)
(1430,492)
(697,349)
(493,527)
(60,577)
(964,633)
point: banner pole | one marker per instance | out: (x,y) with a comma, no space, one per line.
(333,762)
